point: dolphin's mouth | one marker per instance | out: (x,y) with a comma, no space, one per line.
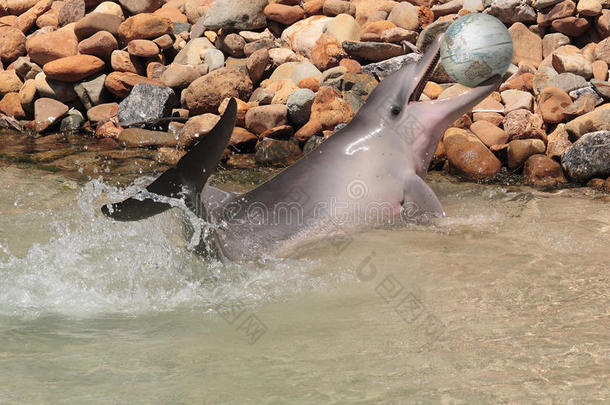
(419,89)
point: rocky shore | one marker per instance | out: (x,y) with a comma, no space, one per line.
(157,74)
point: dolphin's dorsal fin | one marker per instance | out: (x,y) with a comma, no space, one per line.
(418,198)
(189,176)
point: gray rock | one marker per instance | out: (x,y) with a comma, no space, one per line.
(54,89)
(72,121)
(141,6)
(575,94)
(602,87)
(147,102)
(355,101)
(333,73)
(312,143)
(299,105)
(214,58)
(92,92)
(512,11)
(180,27)
(588,157)
(542,4)
(383,69)
(236,14)
(567,82)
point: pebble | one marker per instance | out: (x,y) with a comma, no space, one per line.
(299,106)
(488,133)
(236,14)
(142,138)
(259,119)
(598,120)
(468,156)
(196,127)
(205,94)
(46,112)
(329,109)
(519,150)
(552,102)
(588,157)
(277,152)
(542,171)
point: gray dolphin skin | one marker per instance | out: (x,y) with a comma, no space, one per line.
(368,173)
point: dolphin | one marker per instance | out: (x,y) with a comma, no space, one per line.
(368,173)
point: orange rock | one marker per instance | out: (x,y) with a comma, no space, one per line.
(600,70)
(492,117)
(313,7)
(329,109)
(425,16)
(523,82)
(144,26)
(174,14)
(351,65)
(142,48)
(469,156)
(73,68)
(542,171)
(488,133)
(552,102)
(310,83)
(327,52)
(27,20)
(43,48)
(242,140)
(373,31)
(12,44)
(100,44)
(284,14)
(109,129)
(121,83)
(46,112)
(122,61)
(432,90)
(311,128)
(11,105)
(242,109)
(103,112)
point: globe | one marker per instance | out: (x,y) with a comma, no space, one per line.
(475,48)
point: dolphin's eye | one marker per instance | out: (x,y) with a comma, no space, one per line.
(395,110)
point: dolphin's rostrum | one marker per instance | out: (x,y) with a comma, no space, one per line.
(369,172)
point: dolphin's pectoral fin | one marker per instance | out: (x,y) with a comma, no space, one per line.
(188,178)
(419,199)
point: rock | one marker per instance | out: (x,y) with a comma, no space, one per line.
(109,7)
(141,6)
(450,7)
(327,52)
(144,26)
(582,105)
(50,88)
(468,156)
(309,130)
(488,133)
(598,120)
(343,27)
(567,82)
(284,14)
(236,14)
(191,53)
(108,130)
(92,91)
(143,138)
(520,124)
(11,106)
(27,93)
(143,48)
(550,42)
(562,9)
(527,46)
(72,121)
(337,7)
(233,45)
(600,70)
(17,7)
(405,15)
(383,69)
(100,44)
(571,26)
(373,31)
(602,50)
(512,11)
(329,109)
(26,21)
(575,64)
(9,82)
(195,128)
(121,83)
(523,82)
(256,64)
(299,106)
(516,99)
(279,56)
(207,92)
(602,87)
(542,171)
(147,102)
(295,72)
(102,112)
(122,61)
(558,142)
(261,96)
(46,112)
(12,45)
(372,51)
(588,157)
(302,35)
(26,69)
(95,22)
(44,48)
(280,132)
(259,119)
(589,8)
(552,102)
(520,150)
(214,58)
(242,109)
(179,76)
(164,41)
(242,140)
(73,68)
(602,23)
(72,11)
(277,152)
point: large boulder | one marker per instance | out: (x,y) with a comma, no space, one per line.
(205,94)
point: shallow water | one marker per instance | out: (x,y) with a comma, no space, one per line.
(506,300)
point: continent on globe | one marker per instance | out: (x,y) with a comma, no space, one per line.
(475,48)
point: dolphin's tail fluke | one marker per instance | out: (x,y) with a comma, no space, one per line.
(186,179)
